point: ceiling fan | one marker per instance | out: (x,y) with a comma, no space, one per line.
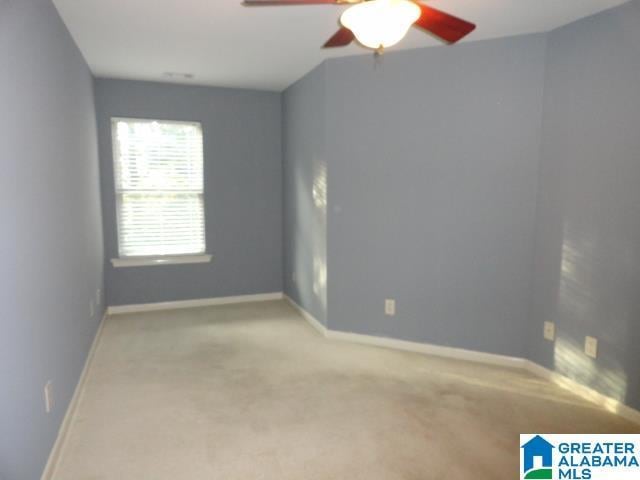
(378,24)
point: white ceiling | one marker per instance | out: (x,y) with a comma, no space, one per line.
(223,43)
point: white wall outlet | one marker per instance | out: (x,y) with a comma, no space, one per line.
(591,347)
(48,396)
(92,309)
(98,296)
(550,331)
(390,307)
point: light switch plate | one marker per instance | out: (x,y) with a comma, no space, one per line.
(549,331)
(591,347)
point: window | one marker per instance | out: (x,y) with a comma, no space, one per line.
(158,168)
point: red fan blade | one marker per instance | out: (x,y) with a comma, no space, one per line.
(270,3)
(449,28)
(341,38)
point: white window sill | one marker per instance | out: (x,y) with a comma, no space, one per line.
(160,260)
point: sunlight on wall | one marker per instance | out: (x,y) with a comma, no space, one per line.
(320,278)
(571,361)
(319,191)
(575,290)
(576,306)
(319,194)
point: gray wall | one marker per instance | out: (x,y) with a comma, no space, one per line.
(52,238)
(487,188)
(432,162)
(305,193)
(243,190)
(587,261)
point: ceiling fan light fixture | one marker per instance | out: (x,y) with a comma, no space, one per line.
(380,23)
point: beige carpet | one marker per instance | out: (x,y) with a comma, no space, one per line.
(251,391)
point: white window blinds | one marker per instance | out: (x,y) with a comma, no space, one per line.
(158,169)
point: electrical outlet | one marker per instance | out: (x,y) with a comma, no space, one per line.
(91,309)
(293,277)
(98,296)
(591,347)
(550,331)
(48,396)
(390,307)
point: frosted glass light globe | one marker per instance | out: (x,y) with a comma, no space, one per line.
(380,23)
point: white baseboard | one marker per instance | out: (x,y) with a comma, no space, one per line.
(608,403)
(428,349)
(59,444)
(200,302)
(313,321)
(425,348)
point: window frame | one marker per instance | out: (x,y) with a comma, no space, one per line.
(154,259)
